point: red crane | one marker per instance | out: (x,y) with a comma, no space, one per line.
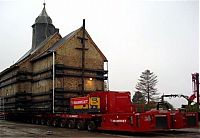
(195,87)
(195,90)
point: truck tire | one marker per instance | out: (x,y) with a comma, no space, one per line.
(91,126)
(37,122)
(48,122)
(63,123)
(71,124)
(32,121)
(42,122)
(55,122)
(81,125)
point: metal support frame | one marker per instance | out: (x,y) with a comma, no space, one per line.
(107,76)
(174,96)
(195,85)
(53,81)
(2,108)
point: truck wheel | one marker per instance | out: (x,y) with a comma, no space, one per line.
(42,122)
(81,125)
(63,123)
(71,124)
(55,122)
(37,121)
(48,122)
(32,121)
(91,126)
(28,121)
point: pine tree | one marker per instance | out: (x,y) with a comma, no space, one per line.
(146,86)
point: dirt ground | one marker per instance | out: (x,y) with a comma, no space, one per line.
(13,130)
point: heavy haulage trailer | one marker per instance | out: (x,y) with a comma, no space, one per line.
(110,111)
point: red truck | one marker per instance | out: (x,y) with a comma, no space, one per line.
(113,111)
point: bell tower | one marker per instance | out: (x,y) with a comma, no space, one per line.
(42,28)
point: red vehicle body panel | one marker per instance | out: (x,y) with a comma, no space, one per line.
(178,120)
(127,122)
(114,102)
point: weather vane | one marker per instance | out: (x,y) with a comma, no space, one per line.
(44,3)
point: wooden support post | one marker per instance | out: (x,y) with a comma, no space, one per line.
(83,58)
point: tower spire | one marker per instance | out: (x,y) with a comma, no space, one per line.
(42,28)
(44,3)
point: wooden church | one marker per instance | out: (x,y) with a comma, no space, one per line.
(53,70)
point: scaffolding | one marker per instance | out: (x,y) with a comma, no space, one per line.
(2,108)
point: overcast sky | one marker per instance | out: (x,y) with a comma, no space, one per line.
(162,36)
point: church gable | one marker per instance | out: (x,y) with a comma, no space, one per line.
(70,51)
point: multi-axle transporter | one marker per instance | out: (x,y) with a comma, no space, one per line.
(111,111)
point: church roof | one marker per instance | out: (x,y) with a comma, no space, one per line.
(62,41)
(53,48)
(43,17)
(32,51)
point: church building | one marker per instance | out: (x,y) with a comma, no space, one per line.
(53,70)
